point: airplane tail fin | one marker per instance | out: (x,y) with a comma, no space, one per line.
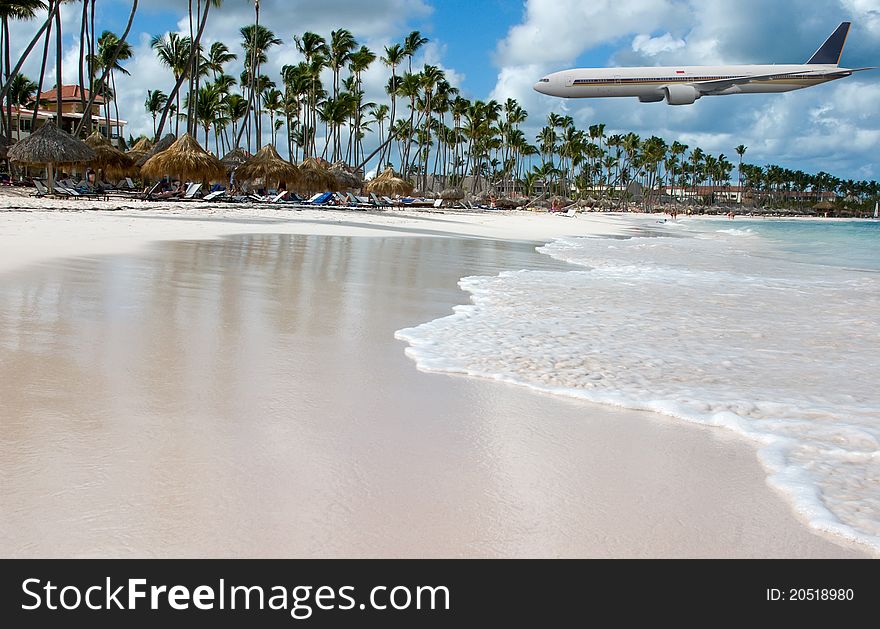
(829,52)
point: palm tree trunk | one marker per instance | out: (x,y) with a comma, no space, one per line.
(84,26)
(92,95)
(106,90)
(252,78)
(290,156)
(190,110)
(27,51)
(58,78)
(179,83)
(92,44)
(6,54)
(42,70)
(115,100)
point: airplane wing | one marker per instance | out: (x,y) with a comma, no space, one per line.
(719,85)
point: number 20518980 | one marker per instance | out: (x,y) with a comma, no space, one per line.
(810,594)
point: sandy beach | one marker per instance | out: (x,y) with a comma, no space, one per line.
(199,380)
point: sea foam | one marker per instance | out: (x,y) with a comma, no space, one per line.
(709,326)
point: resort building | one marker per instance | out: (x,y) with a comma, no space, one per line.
(737,194)
(72,111)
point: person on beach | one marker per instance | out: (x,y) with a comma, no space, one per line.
(554,205)
(90,183)
(173,191)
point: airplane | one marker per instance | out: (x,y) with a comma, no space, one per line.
(684,85)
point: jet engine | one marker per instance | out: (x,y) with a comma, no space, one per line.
(681,94)
(653,98)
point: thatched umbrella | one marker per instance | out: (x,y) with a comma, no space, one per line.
(389,186)
(187,160)
(388,183)
(162,145)
(452,194)
(235,158)
(111,160)
(268,165)
(139,150)
(314,178)
(48,146)
(345,178)
(824,206)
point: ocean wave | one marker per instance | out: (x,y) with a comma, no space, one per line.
(700,329)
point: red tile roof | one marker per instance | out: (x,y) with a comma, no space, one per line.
(69,93)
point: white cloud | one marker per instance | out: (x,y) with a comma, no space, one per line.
(557,31)
(655,45)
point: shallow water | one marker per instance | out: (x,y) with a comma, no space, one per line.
(769,329)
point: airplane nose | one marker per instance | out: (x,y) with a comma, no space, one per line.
(539,87)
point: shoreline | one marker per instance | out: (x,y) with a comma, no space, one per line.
(31,236)
(106,236)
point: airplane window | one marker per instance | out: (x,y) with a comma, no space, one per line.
(544,81)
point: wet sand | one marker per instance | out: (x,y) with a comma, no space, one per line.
(245,397)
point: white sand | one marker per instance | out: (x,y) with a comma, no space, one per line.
(431,465)
(33,230)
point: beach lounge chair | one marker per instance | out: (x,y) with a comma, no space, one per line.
(277,198)
(148,195)
(570,213)
(319,199)
(358,201)
(42,190)
(128,184)
(192,191)
(214,195)
(438,203)
(377,201)
(388,201)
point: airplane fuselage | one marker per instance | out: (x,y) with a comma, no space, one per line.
(677,84)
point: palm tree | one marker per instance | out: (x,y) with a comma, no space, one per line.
(111,63)
(380,115)
(21,91)
(410,87)
(19,10)
(236,110)
(209,107)
(315,50)
(257,40)
(359,62)
(174,53)
(431,76)
(194,53)
(411,45)
(273,101)
(218,57)
(156,100)
(676,151)
(741,151)
(111,51)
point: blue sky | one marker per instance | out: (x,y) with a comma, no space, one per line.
(498,48)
